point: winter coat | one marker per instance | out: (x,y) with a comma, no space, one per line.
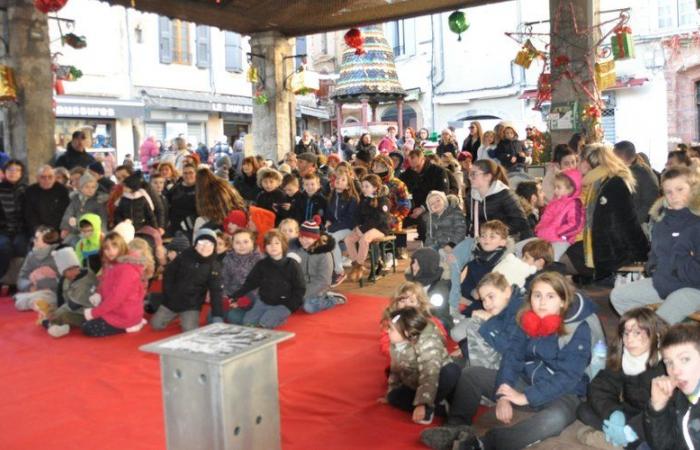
(317,266)
(73,158)
(45,207)
(341,213)
(446,228)
(482,263)
(612,390)
(365,152)
(548,370)
(499,329)
(75,295)
(563,218)
(485,152)
(270,200)
(247,186)
(311,147)
(148,152)
(417,366)
(12,208)
(188,278)
(235,269)
(431,178)
(138,207)
(79,205)
(471,145)
(305,207)
(506,150)
(387,145)
(500,203)
(449,147)
(89,248)
(674,426)
(37,258)
(647,191)
(399,197)
(278,283)
(122,295)
(617,237)
(674,260)
(369,217)
(183,207)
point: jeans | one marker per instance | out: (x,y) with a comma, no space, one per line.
(547,421)
(189,320)
(266,316)
(320,303)
(402,397)
(100,328)
(339,236)
(11,247)
(463,254)
(675,308)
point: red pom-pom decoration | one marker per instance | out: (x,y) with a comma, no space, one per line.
(354,39)
(47,6)
(316,219)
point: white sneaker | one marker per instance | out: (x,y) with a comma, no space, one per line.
(347,262)
(58,331)
(137,327)
(389,260)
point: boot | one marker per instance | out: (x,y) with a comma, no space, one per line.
(355,272)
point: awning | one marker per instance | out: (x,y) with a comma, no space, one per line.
(156,98)
(321,113)
(97,107)
(531,94)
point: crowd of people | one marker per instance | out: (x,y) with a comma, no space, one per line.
(496,279)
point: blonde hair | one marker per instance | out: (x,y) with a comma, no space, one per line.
(602,155)
(404,290)
(140,246)
(289,221)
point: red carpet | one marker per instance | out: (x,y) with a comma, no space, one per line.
(82,393)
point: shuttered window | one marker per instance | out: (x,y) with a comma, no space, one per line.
(234,52)
(166,40)
(181,42)
(203,52)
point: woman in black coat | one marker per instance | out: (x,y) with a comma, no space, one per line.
(447,144)
(183,204)
(13,232)
(472,143)
(247,182)
(365,149)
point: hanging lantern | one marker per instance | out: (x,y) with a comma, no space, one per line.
(8,88)
(622,43)
(305,82)
(458,23)
(252,75)
(605,76)
(354,39)
(526,55)
(68,73)
(47,6)
(73,40)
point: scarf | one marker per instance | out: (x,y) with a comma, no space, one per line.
(592,183)
(536,326)
(634,365)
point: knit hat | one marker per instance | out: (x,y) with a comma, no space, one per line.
(65,258)
(85,179)
(126,230)
(207,234)
(429,270)
(308,157)
(97,167)
(235,217)
(133,182)
(436,194)
(284,168)
(463,156)
(311,228)
(179,243)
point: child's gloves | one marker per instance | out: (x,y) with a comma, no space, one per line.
(614,429)
(95,299)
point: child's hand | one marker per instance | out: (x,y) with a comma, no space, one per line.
(504,410)
(418,413)
(72,222)
(481,314)
(513,396)
(95,299)
(88,313)
(286,206)
(464,301)
(661,391)
(513,159)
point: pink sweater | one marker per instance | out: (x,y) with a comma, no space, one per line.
(563,218)
(122,295)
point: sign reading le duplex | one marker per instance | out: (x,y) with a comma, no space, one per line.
(232,108)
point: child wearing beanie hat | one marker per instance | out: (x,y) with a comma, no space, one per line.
(187,280)
(177,245)
(135,204)
(235,220)
(86,200)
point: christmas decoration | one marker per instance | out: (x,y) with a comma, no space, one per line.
(68,73)
(458,23)
(73,40)
(590,113)
(8,88)
(252,75)
(260,98)
(47,6)
(305,82)
(622,43)
(544,87)
(526,54)
(354,39)
(605,74)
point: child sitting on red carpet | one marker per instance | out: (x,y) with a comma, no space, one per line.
(236,266)
(422,374)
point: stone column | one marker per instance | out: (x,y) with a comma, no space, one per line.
(399,116)
(339,126)
(365,119)
(31,120)
(274,123)
(567,42)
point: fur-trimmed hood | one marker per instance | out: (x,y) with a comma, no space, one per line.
(658,209)
(264,172)
(386,161)
(325,244)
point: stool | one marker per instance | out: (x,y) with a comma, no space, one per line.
(632,272)
(378,248)
(694,316)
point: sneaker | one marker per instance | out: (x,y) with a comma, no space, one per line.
(428,418)
(347,262)
(389,260)
(339,298)
(58,331)
(403,253)
(442,438)
(337,279)
(467,440)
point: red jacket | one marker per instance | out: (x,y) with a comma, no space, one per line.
(122,295)
(563,218)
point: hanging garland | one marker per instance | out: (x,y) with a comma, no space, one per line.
(354,39)
(48,6)
(458,23)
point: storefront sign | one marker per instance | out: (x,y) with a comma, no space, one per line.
(97,108)
(232,108)
(84,111)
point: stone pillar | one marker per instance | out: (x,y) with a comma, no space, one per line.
(31,121)
(274,123)
(568,43)
(399,116)
(365,107)
(339,126)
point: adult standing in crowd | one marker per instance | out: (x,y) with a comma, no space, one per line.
(178,154)
(612,236)
(422,136)
(247,181)
(104,184)
(408,133)
(447,144)
(76,155)
(346,148)
(148,153)
(182,201)
(647,190)
(13,234)
(365,150)
(388,142)
(472,142)
(306,144)
(45,201)
(420,178)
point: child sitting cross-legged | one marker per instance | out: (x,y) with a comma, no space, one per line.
(38,276)
(422,376)
(564,217)
(544,369)
(280,283)
(236,266)
(484,337)
(619,394)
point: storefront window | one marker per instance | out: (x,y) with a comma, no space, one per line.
(99,134)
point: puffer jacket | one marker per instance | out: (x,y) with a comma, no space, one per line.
(341,213)
(675,426)
(674,260)
(188,278)
(369,216)
(317,266)
(446,228)
(417,366)
(79,205)
(12,208)
(549,370)
(37,258)
(247,186)
(564,218)
(138,207)
(122,294)
(500,203)
(506,150)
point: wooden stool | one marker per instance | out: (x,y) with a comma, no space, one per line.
(694,316)
(378,248)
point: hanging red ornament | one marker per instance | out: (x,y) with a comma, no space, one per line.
(47,6)
(354,39)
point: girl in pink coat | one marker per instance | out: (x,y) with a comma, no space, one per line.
(148,152)
(564,217)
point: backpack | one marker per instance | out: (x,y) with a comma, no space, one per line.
(597,334)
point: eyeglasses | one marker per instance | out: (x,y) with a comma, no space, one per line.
(474,173)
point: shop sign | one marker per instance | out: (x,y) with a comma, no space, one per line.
(85,111)
(232,108)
